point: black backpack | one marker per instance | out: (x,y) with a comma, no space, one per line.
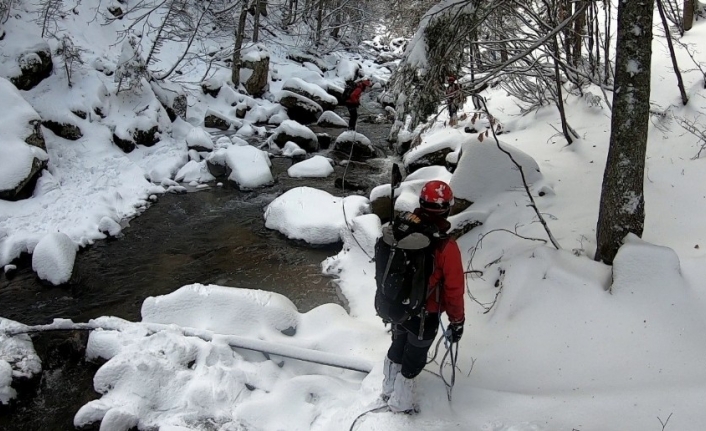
(350,86)
(403,265)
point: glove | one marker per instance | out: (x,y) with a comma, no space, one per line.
(455,332)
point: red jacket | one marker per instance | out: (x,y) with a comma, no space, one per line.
(354,99)
(447,281)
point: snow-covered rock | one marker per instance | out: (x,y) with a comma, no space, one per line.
(255,68)
(109,226)
(18,360)
(226,310)
(218,120)
(194,171)
(199,140)
(172,97)
(485,171)
(310,91)
(292,131)
(20,163)
(299,108)
(315,167)
(313,215)
(53,258)
(246,166)
(355,144)
(26,57)
(291,149)
(331,119)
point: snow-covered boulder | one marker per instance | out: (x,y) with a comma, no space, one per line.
(304,57)
(293,150)
(26,57)
(217,120)
(312,215)
(291,131)
(299,108)
(22,155)
(362,148)
(225,310)
(246,166)
(407,194)
(194,171)
(198,139)
(109,227)
(485,171)
(315,167)
(53,258)
(331,119)
(255,69)
(18,359)
(212,86)
(137,118)
(348,70)
(433,149)
(310,91)
(172,97)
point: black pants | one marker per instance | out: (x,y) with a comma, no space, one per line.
(353,116)
(453,110)
(407,349)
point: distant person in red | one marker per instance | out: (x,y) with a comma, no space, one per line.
(454,99)
(352,101)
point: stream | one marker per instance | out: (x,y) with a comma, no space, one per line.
(212,236)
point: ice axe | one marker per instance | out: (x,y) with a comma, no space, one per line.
(395,181)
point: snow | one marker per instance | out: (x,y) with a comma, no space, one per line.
(17,359)
(16,156)
(291,149)
(313,215)
(293,129)
(53,258)
(331,118)
(568,344)
(314,167)
(109,226)
(485,171)
(250,167)
(194,171)
(198,138)
(308,88)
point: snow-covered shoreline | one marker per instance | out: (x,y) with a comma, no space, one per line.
(553,339)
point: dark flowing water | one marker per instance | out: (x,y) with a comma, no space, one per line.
(210,236)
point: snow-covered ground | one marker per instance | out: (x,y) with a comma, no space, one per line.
(553,340)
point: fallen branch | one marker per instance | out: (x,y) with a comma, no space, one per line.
(234,341)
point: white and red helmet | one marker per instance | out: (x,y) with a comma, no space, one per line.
(436,197)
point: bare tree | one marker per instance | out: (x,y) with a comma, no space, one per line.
(70,55)
(622,207)
(238,45)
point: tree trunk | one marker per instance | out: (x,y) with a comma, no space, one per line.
(256,22)
(319,20)
(559,95)
(579,32)
(675,66)
(239,34)
(688,21)
(622,208)
(606,37)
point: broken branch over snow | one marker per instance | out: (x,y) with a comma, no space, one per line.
(279,349)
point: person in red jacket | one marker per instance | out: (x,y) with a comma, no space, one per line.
(407,354)
(353,101)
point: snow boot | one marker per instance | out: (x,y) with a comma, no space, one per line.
(390,370)
(402,398)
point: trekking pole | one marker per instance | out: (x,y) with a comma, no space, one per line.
(395,181)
